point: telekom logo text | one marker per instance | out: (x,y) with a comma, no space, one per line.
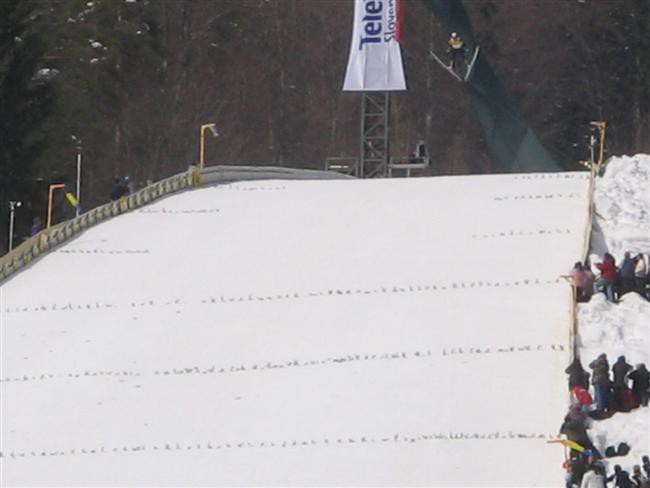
(374,31)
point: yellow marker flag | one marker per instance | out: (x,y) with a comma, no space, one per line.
(72,199)
(573,445)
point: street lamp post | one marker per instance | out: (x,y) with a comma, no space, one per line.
(592,149)
(13,205)
(77,141)
(601,127)
(78,208)
(215,133)
(49,201)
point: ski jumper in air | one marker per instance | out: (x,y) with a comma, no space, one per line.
(456,49)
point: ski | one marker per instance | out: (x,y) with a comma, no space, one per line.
(446,67)
(470,66)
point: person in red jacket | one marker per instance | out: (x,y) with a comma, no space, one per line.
(608,277)
(582,398)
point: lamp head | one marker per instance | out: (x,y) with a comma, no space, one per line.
(215,132)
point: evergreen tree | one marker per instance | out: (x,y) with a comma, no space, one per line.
(108,56)
(25,98)
(625,53)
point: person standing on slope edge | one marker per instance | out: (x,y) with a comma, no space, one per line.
(620,391)
(620,477)
(637,477)
(640,382)
(594,478)
(577,375)
(626,275)
(600,380)
(581,281)
(646,465)
(640,274)
(608,277)
(36,227)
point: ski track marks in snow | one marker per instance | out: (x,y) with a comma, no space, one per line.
(536,196)
(101,305)
(176,211)
(101,251)
(261,366)
(280,444)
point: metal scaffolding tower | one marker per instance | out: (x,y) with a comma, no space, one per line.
(375,123)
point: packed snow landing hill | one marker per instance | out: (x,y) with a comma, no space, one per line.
(355,332)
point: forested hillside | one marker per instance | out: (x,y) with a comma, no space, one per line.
(129,82)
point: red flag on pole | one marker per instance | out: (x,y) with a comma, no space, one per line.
(399,34)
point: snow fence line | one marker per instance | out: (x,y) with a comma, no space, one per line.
(586,246)
(48,239)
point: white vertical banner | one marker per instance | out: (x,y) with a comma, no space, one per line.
(375,62)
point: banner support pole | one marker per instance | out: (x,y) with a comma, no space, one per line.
(375,134)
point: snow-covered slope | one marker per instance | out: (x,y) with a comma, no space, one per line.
(386,332)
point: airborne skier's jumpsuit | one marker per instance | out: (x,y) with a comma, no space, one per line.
(457,49)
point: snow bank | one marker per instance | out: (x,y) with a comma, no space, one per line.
(615,329)
(373,332)
(622,203)
(633,428)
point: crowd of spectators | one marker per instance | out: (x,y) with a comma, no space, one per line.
(614,281)
(625,389)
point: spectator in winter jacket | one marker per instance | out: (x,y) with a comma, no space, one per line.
(646,465)
(640,383)
(626,274)
(37,226)
(620,369)
(575,429)
(640,274)
(120,188)
(594,478)
(575,469)
(620,389)
(640,266)
(582,281)
(577,375)
(637,477)
(608,277)
(591,277)
(600,380)
(581,397)
(621,478)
